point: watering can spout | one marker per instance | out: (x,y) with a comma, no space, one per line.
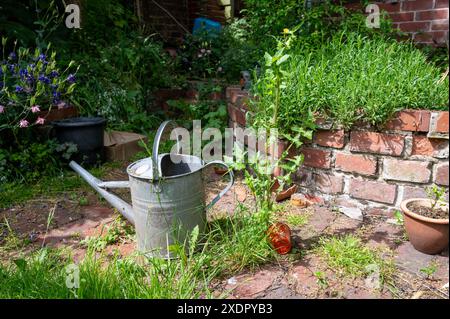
(123,207)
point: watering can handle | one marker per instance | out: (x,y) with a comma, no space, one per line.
(156,141)
(227,188)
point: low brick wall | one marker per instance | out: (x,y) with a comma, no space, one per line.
(366,168)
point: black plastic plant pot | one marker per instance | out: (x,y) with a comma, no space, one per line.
(86,133)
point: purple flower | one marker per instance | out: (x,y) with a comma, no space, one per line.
(23,73)
(40,121)
(2,109)
(42,57)
(54,74)
(71,78)
(19,89)
(12,56)
(11,67)
(44,79)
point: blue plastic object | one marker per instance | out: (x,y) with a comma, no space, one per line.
(210,27)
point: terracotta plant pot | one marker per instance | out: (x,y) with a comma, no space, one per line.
(427,235)
(286,193)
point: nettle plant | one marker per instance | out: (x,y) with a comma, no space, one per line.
(30,84)
(266,108)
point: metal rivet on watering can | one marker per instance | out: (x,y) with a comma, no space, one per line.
(168,199)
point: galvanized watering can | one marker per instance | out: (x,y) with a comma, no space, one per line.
(168,198)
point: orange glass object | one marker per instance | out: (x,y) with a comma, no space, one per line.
(280,238)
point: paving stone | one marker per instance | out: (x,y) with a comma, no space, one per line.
(343,225)
(282,292)
(411,259)
(321,219)
(250,286)
(352,212)
(304,281)
(385,234)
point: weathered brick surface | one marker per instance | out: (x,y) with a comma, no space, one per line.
(410,120)
(414,26)
(408,171)
(431,37)
(413,192)
(442,122)
(326,138)
(402,16)
(440,26)
(413,5)
(328,183)
(442,174)
(316,157)
(441,4)
(231,90)
(373,191)
(236,114)
(432,15)
(425,146)
(379,143)
(360,164)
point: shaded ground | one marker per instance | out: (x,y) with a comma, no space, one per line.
(301,274)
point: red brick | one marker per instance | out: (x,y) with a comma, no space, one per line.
(431,15)
(442,122)
(231,112)
(410,120)
(413,192)
(414,26)
(413,5)
(441,4)
(316,158)
(374,191)
(389,7)
(379,211)
(328,183)
(439,26)
(423,145)
(406,171)
(236,114)
(360,164)
(380,143)
(402,17)
(431,37)
(442,174)
(330,138)
(240,117)
(233,90)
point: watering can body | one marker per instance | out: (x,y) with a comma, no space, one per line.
(168,199)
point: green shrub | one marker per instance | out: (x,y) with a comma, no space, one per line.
(355,78)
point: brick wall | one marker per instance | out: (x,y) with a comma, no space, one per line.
(367,168)
(425,20)
(156,19)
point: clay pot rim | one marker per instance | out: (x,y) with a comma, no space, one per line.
(407,211)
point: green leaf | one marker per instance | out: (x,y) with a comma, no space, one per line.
(268,59)
(283,59)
